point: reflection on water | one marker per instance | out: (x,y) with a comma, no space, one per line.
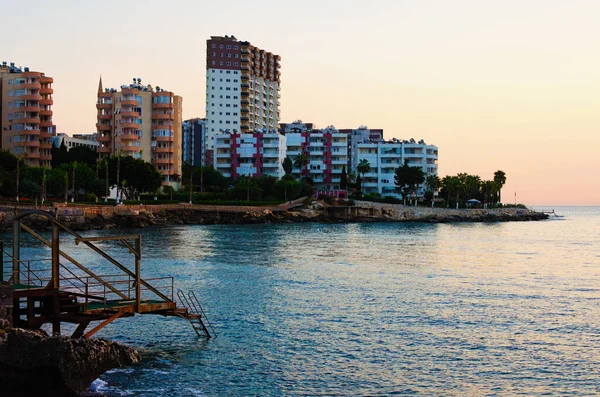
(373,309)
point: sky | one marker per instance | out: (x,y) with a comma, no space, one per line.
(506,85)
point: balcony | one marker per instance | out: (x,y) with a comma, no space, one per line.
(33,86)
(35,143)
(130,137)
(45,146)
(106,138)
(129,102)
(164,139)
(46,102)
(29,120)
(103,150)
(134,126)
(104,106)
(45,124)
(33,155)
(32,74)
(46,91)
(163,149)
(35,132)
(100,116)
(104,127)
(163,116)
(46,157)
(46,80)
(31,97)
(163,161)
(162,106)
(129,114)
(128,148)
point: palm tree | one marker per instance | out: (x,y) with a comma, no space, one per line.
(488,189)
(500,180)
(433,182)
(453,186)
(363,167)
(300,162)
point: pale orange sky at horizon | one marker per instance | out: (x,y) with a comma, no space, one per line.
(495,85)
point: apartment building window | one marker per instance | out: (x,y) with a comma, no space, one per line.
(10,93)
(221,63)
(235,47)
(227,122)
(235,114)
(10,104)
(237,55)
(228,63)
(221,46)
(235,106)
(10,82)
(213,45)
(235,88)
(227,114)
(222,55)
(212,122)
(228,55)
(228,47)
(214,54)
(235,97)
(235,122)
(227,105)
(227,97)
(220,113)
(228,89)
(214,63)
(235,72)
(235,64)
(228,72)
(10,116)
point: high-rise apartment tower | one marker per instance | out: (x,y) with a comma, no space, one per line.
(142,122)
(26,114)
(242,88)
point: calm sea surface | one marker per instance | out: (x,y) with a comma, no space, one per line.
(372,309)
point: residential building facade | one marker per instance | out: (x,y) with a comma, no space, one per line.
(142,122)
(26,114)
(75,141)
(242,88)
(361,134)
(325,152)
(193,148)
(385,156)
(250,154)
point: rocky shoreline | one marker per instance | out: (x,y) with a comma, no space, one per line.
(35,364)
(316,212)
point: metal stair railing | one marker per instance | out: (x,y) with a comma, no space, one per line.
(193,313)
(196,305)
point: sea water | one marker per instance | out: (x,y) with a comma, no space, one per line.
(371,309)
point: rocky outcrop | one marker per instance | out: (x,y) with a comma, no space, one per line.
(317,212)
(32,363)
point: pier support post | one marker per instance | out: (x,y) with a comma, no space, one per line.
(55,256)
(16,270)
(138,260)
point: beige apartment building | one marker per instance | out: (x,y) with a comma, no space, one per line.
(142,122)
(26,114)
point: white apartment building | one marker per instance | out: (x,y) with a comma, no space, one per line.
(249,154)
(385,156)
(326,151)
(242,88)
(76,140)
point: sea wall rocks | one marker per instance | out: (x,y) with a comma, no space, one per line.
(32,363)
(361,211)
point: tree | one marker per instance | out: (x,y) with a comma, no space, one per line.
(452,186)
(363,167)
(343,179)
(288,165)
(82,154)
(488,190)
(408,179)
(301,162)
(433,183)
(59,155)
(500,180)
(287,189)
(136,175)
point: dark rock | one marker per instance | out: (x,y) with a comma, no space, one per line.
(33,363)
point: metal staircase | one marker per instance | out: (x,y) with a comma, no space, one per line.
(195,314)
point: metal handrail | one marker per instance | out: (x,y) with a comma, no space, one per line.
(192,296)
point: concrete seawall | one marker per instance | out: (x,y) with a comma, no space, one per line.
(87,217)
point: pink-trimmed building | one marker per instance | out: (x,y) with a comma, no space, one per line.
(326,151)
(249,154)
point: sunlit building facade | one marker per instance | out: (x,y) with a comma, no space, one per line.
(26,114)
